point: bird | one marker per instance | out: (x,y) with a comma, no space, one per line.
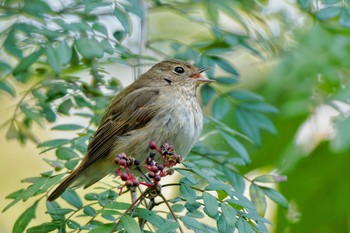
(160,106)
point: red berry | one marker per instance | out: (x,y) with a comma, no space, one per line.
(136,163)
(122,162)
(124,176)
(129,183)
(157,178)
(122,155)
(154,169)
(151,174)
(160,167)
(136,183)
(152,145)
(152,155)
(116,160)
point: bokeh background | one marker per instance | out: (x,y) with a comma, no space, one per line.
(297,59)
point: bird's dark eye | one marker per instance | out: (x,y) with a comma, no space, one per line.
(179,70)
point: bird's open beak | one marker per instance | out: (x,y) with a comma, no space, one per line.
(199,78)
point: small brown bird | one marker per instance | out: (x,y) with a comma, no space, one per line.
(160,106)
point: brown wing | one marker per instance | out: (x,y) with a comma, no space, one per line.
(131,112)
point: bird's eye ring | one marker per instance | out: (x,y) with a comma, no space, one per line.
(179,70)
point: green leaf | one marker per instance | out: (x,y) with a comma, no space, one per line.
(151,217)
(123,19)
(71,164)
(59,211)
(229,214)
(72,198)
(26,62)
(188,193)
(69,127)
(207,94)
(270,179)
(341,141)
(275,196)
(89,211)
(65,106)
(130,224)
(220,107)
(226,80)
(53,59)
(66,153)
(25,218)
(237,146)
(192,223)
(53,143)
(92,196)
(119,35)
(258,198)
(73,224)
(107,47)
(243,226)
(225,65)
(177,207)
(43,228)
(212,11)
(345,18)
(211,205)
(100,28)
(328,12)
(89,47)
(7,87)
(10,44)
(223,226)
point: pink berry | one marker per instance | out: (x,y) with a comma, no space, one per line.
(152,145)
(124,176)
(116,160)
(122,162)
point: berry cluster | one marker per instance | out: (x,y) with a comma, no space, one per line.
(156,170)
(124,162)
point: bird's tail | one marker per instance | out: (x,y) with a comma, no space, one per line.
(64,185)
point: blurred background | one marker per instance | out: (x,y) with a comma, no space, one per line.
(295,55)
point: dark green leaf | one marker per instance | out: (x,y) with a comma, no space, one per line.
(211,204)
(67,127)
(245,96)
(65,106)
(123,19)
(92,196)
(25,218)
(73,224)
(10,44)
(7,87)
(89,211)
(226,80)
(43,228)
(119,35)
(225,65)
(72,198)
(130,224)
(26,62)
(60,211)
